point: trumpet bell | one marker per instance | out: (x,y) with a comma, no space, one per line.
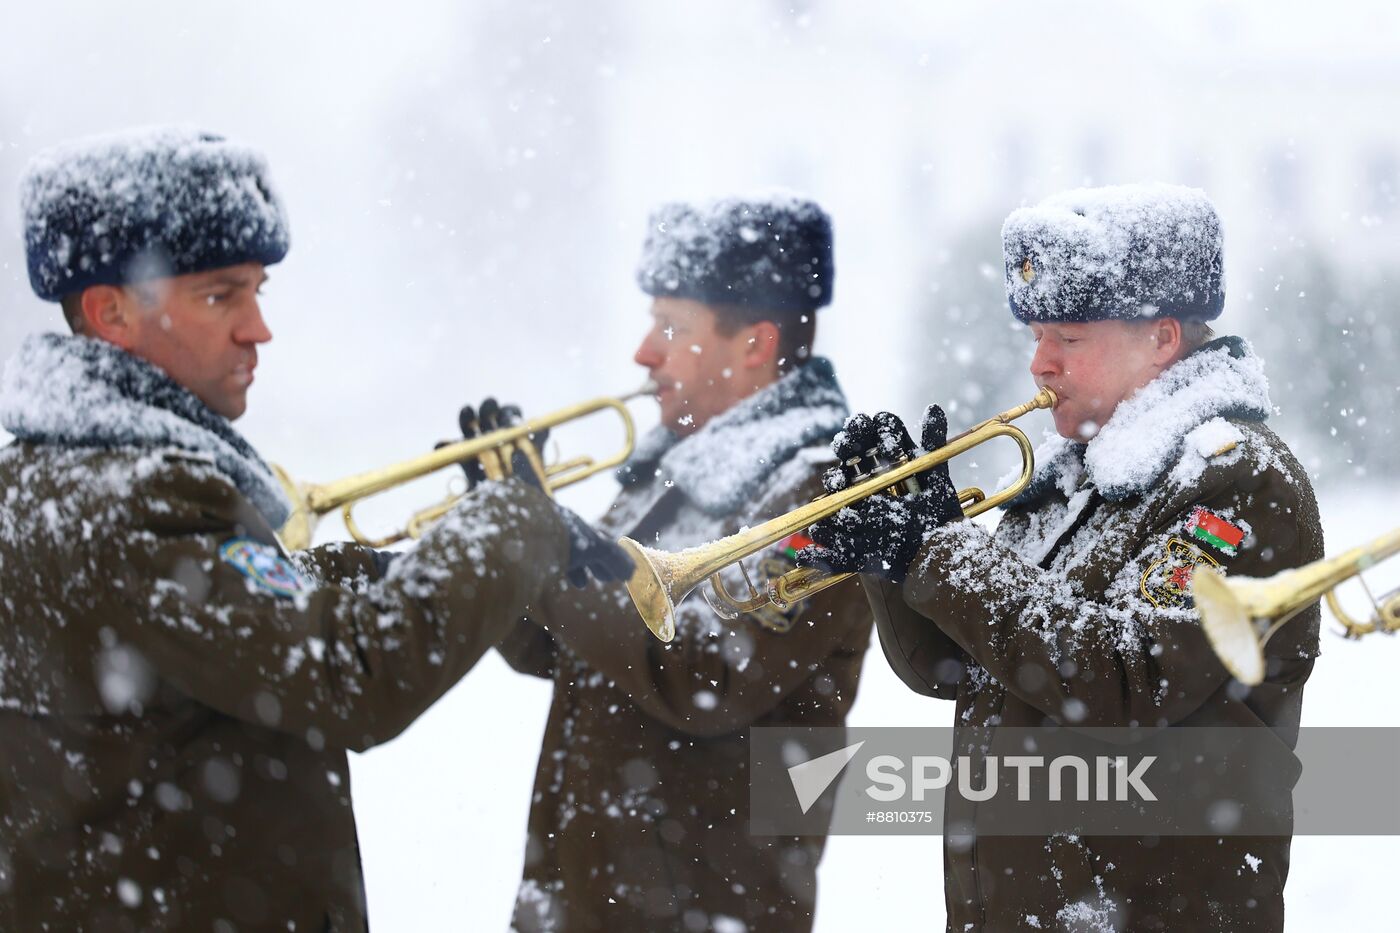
(649,588)
(1232,610)
(1228,622)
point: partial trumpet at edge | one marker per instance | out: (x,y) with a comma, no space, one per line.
(663,579)
(494,450)
(1240,614)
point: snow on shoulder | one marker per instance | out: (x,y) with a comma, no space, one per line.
(727,463)
(1151,430)
(1171,427)
(80,392)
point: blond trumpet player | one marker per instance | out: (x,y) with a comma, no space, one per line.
(177,693)
(640,809)
(1077,611)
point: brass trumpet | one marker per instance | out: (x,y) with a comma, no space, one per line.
(494,450)
(662,579)
(1233,610)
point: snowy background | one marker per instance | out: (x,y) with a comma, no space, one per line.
(468,184)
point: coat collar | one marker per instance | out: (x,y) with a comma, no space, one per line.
(1147,433)
(721,466)
(80,392)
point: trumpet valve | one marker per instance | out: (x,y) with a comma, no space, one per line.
(875,462)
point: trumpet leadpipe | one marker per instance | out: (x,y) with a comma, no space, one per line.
(311,501)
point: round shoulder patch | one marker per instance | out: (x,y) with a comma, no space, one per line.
(1166,583)
(264,565)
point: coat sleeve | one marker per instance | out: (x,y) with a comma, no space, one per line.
(344,562)
(927,660)
(529,649)
(348,658)
(718,676)
(1125,659)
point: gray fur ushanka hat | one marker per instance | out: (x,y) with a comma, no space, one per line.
(144,204)
(1115,253)
(771,253)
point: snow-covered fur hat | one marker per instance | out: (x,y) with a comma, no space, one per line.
(770,253)
(1124,252)
(146,204)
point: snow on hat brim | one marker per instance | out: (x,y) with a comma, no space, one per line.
(771,253)
(1115,253)
(146,204)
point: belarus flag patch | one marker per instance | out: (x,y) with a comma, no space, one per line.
(793,543)
(1209,528)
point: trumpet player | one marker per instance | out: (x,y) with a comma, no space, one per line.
(177,693)
(639,816)
(1076,612)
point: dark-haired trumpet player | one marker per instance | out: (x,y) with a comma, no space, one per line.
(177,693)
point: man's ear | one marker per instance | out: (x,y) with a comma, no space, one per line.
(1168,341)
(108,313)
(762,346)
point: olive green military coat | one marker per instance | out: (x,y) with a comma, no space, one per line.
(177,698)
(1077,613)
(640,809)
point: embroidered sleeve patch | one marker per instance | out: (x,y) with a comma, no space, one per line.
(794,543)
(1166,583)
(1209,528)
(264,565)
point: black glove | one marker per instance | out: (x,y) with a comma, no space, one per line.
(589,551)
(880,534)
(490,416)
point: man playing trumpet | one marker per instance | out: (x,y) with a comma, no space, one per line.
(177,693)
(640,809)
(1077,611)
